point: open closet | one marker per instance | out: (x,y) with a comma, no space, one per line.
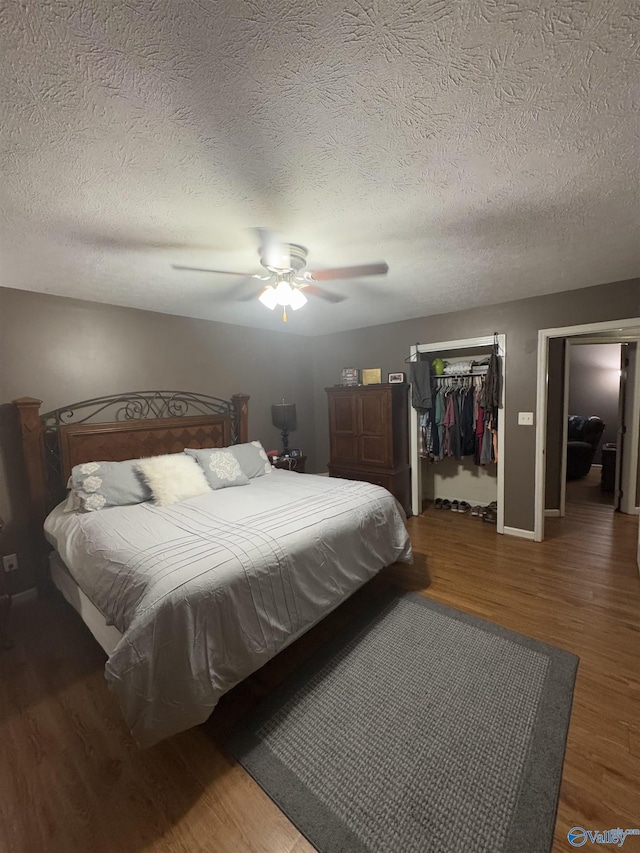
(457,425)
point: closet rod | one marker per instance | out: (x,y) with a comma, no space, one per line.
(458,375)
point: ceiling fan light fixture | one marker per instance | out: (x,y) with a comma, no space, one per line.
(297,299)
(268,297)
(286,275)
(283,292)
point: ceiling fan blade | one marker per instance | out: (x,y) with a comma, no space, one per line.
(133,243)
(221,272)
(321,293)
(249,296)
(346,272)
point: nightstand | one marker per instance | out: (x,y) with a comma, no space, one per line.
(291,464)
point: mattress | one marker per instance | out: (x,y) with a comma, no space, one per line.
(205,591)
(107,635)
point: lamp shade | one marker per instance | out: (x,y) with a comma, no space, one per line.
(283,415)
(297,299)
(268,297)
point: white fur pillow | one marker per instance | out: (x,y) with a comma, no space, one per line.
(173,478)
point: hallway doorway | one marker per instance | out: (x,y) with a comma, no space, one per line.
(594,407)
(567,477)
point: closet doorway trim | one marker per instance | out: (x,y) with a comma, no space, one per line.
(416,466)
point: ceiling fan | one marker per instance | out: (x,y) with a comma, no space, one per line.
(286,275)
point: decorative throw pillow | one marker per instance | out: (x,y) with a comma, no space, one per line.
(220,467)
(252,458)
(72,503)
(172,478)
(99,485)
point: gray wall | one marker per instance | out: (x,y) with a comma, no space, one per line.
(594,386)
(62,350)
(65,350)
(387,346)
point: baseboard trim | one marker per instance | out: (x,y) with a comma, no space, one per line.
(552,513)
(26,595)
(517,531)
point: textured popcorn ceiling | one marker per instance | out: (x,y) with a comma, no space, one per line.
(487,149)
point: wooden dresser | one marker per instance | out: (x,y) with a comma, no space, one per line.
(369,439)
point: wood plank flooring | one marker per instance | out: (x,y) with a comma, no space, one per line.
(72,781)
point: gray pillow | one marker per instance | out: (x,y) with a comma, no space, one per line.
(221,468)
(252,458)
(99,485)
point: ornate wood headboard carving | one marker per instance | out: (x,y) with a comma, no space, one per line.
(127,426)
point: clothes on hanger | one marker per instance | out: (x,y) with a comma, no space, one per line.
(462,420)
(422,401)
(492,391)
(420,375)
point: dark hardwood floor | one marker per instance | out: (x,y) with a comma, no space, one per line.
(72,780)
(588,490)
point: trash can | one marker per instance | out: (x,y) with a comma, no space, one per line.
(608,477)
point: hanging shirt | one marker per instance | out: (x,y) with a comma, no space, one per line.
(449,424)
(467,425)
(441,416)
(456,443)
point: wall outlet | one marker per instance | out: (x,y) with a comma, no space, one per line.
(10,563)
(525,418)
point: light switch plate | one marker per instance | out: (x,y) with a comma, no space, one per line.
(525,418)
(10,563)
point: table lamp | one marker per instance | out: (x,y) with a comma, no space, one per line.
(283,417)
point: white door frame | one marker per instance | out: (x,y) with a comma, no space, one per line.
(541,402)
(416,465)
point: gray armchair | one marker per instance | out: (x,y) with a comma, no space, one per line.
(583,438)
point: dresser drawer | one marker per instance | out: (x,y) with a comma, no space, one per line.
(396,482)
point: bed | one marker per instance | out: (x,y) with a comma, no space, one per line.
(189,599)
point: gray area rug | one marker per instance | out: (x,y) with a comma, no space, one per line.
(421,730)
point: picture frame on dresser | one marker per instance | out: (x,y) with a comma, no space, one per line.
(350,376)
(372,376)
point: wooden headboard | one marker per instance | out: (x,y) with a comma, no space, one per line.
(111,429)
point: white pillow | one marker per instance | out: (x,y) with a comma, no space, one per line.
(173,478)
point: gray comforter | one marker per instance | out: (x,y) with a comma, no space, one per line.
(206,591)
